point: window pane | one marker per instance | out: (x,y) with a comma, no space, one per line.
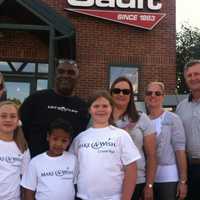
(30,67)
(17,90)
(130,72)
(41,84)
(16,65)
(43,67)
(4,66)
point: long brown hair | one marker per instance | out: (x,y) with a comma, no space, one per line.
(131,110)
(3,95)
(18,135)
(2,79)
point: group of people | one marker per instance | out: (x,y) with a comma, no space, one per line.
(121,154)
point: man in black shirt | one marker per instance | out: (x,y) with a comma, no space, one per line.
(43,107)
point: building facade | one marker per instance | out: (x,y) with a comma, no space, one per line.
(35,34)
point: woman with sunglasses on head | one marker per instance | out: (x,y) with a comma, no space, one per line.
(141,131)
(171,176)
(2,88)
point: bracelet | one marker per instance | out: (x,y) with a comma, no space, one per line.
(149,185)
(183,182)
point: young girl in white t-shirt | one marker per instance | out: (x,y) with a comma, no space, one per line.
(14,153)
(106,155)
(51,175)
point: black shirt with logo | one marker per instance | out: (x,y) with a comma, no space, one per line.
(42,108)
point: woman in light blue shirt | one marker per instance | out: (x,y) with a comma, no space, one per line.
(171,174)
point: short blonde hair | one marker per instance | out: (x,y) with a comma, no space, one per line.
(160,84)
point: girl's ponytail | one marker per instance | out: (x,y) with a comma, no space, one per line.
(20,140)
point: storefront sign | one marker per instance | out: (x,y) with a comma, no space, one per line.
(146,20)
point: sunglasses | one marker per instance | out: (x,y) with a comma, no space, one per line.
(156,93)
(118,91)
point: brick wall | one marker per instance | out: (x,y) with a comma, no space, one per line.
(100,43)
(22,45)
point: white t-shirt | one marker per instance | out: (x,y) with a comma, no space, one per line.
(12,164)
(102,153)
(164,173)
(51,177)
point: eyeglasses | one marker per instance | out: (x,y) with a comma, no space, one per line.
(118,91)
(1,86)
(156,93)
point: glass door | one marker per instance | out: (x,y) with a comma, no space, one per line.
(18,90)
(24,78)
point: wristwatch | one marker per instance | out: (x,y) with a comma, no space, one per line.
(149,185)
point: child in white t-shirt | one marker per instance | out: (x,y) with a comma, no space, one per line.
(106,156)
(14,154)
(51,175)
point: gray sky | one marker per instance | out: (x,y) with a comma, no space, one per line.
(188,11)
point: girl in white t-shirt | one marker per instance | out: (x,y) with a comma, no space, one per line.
(106,155)
(51,175)
(14,154)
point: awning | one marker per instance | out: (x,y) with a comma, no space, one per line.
(64,30)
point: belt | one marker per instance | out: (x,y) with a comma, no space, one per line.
(195,161)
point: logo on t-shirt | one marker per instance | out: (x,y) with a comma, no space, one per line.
(63,173)
(106,146)
(11,160)
(62,109)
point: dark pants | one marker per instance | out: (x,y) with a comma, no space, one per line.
(165,191)
(193,182)
(138,191)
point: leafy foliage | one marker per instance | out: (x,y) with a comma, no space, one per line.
(187,48)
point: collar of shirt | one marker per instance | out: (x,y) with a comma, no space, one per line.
(190,99)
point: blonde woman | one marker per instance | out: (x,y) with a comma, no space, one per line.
(171,176)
